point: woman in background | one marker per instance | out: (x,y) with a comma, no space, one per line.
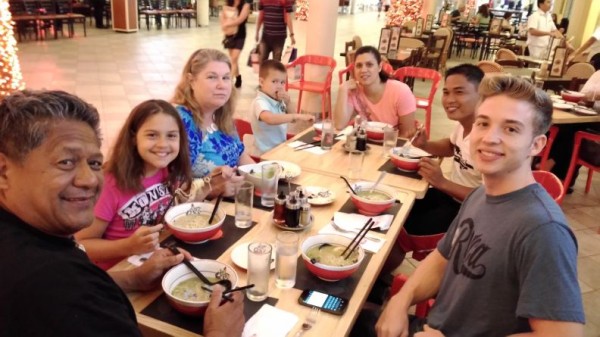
(234,42)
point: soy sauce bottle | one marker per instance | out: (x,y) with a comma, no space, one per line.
(292,212)
(279,209)
(361,140)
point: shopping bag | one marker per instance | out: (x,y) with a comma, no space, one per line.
(254,59)
(289,55)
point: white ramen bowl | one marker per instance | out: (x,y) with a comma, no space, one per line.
(180,273)
(194,235)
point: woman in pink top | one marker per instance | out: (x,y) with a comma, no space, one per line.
(370,94)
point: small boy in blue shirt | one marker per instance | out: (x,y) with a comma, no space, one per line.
(269,108)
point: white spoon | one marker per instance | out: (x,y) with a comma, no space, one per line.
(381,175)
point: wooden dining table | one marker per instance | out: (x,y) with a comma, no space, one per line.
(567,117)
(286,299)
(336,163)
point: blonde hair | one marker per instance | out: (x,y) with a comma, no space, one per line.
(522,90)
(184,95)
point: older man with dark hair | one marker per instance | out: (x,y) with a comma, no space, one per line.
(50,178)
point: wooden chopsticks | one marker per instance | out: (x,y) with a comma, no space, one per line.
(358,238)
(307,145)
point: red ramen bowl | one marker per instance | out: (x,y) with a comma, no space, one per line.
(375,130)
(182,220)
(366,202)
(571,96)
(329,272)
(408,161)
(210,268)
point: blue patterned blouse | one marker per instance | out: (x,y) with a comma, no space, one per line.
(210,150)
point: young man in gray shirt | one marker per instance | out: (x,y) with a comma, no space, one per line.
(508,263)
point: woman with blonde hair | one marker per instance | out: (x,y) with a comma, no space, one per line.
(205,101)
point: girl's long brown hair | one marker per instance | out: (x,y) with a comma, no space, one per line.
(184,94)
(125,162)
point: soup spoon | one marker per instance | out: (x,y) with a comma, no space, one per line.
(225,283)
(381,176)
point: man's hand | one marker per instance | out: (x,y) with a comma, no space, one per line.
(421,139)
(225,319)
(392,323)
(144,240)
(431,171)
(556,34)
(429,332)
(149,274)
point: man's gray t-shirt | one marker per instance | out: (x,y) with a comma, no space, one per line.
(510,258)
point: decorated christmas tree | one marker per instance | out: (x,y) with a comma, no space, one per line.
(10,76)
(302,10)
(402,11)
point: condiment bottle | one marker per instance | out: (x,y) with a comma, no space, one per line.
(292,212)
(361,140)
(351,141)
(301,196)
(279,209)
(305,214)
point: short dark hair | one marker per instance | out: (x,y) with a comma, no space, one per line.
(27,116)
(383,76)
(539,2)
(125,162)
(267,65)
(520,89)
(471,72)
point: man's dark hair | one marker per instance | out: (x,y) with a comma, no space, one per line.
(472,73)
(267,65)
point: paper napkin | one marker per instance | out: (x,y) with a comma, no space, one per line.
(369,245)
(270,322)
(357,221)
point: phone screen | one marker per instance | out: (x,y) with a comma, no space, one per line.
(329,303)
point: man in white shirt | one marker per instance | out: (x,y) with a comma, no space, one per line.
(593,44)
(540,28)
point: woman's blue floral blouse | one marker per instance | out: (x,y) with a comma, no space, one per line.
(210,150)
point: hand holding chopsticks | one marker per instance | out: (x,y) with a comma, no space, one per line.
(358,238)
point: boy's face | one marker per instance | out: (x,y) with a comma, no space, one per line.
(502,140)
(273,83)
(460,98)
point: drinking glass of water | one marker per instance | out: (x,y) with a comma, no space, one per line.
(244,198)
(286,259)
(259,267)
(270,179)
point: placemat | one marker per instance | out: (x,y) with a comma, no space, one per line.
(343,288)
(309,137)
(282,186)
(348,207)
(161,310)
(389,167)
(212,249)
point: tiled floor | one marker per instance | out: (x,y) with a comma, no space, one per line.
(116,71)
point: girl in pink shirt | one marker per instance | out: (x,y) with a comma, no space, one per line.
(149,160)
(370,94)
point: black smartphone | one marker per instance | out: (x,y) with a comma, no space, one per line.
(329,303)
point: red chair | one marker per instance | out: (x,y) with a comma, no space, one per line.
(243,128)
(323,88)
(546,151)
(577,160)
(422,102)
(551,183)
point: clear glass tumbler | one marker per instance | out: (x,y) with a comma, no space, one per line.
(286,259)
(244,199)
(259,267)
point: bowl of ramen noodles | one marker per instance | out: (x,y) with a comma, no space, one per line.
(189,221)
(407,160)
(184,290)
(373,202)
(322,255)
(572,96)
(375,130)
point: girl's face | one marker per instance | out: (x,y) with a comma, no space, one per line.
(157,142)
(212,86)
(366,69)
